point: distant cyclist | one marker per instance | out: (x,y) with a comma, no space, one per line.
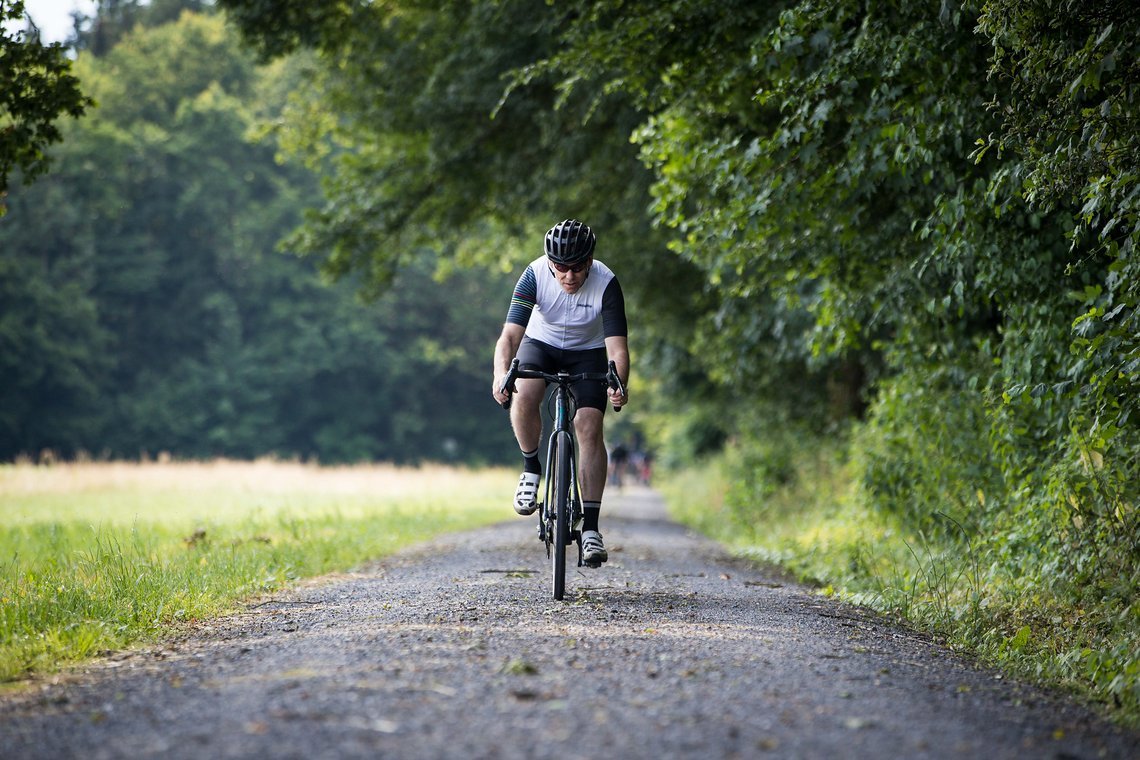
(619,459)
(567,314)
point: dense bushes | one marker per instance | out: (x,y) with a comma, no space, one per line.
(872,517)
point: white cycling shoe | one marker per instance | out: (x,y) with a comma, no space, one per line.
(593,550)
(526,495)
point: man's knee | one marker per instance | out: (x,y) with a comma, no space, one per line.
(529,392)
(588,424)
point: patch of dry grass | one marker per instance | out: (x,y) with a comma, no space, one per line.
(98,556)
(126,492)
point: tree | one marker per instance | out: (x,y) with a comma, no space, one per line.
(52,360)
(152,313)
(1069,110)
(36,88)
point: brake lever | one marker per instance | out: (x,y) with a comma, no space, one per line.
(508,386)
(615,383)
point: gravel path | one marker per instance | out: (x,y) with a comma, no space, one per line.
(455,649)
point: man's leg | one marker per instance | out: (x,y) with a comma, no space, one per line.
(525,418)
(591,453)
(527,424)
(592,474)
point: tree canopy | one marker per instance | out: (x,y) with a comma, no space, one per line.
(845,187)
(36,89)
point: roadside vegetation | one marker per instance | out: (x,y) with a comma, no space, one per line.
(102,556)
(804,504)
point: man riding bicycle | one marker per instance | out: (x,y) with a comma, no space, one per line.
(567,314)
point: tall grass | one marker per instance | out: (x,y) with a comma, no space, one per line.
(810,516)
(97,557)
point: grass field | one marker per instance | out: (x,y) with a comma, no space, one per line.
(99,556)
(815,526)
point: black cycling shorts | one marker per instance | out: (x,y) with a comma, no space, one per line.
(534,354)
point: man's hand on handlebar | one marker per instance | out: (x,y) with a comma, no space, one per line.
(616,391)
(500,390)
(503,386)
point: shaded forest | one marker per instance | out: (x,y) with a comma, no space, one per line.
(146,308)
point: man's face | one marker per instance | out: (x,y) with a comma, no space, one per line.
(572,278)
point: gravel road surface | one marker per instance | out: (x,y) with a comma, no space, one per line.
(455,649)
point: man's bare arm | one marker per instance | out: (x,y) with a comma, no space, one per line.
(505,349)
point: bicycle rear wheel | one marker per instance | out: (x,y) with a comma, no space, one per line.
(562,491)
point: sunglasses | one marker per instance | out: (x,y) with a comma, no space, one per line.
(564,268)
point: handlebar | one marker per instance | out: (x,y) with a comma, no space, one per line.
(559,378)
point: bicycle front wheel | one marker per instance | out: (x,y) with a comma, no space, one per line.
(562,490)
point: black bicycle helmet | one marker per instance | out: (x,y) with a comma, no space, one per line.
(569,242)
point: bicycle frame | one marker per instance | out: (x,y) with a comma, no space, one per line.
(560,513)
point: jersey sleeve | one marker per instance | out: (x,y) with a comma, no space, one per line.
(523,299)
(613,310)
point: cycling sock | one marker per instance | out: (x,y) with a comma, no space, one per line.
(591,510)
(530,462)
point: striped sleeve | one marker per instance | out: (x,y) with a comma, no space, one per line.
(523,299)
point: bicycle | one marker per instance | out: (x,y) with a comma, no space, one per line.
(560,512)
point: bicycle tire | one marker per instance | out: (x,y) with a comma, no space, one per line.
(562,490)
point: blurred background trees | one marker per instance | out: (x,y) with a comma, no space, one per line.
(146,309)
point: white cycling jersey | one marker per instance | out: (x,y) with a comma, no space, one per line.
(571,321)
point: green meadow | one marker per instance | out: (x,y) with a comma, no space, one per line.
(100,556)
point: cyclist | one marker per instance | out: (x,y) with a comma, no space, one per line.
(567,314)
(619,457)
